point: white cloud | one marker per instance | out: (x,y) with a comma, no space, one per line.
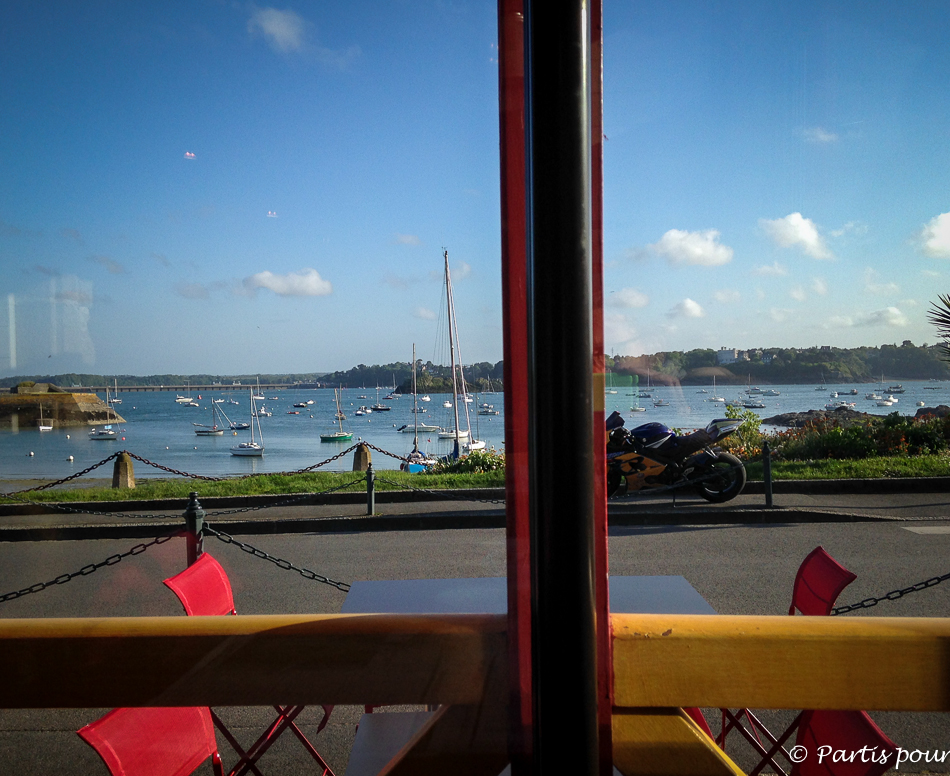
(628,297)
(935,237)
(930,273)
(798,293)
(797,231)
(775,269)
(424,313)
(820,135)
(873,284)
(727,295)
(687,309)
(693,248)
(819,286)
(620,333)
(779,315)
(888,316)
(408,239)
(307,282)
(852,227)
(283,30)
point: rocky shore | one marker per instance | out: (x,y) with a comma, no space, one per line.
(843,416)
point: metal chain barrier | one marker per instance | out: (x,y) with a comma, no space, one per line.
(286,565)
(894,595)
(286,502)
(65,479)
(85,571)
(384,452)
(442,494)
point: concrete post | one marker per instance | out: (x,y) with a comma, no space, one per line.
(123,473)
(362,458)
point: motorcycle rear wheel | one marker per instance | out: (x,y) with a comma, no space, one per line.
(724,479)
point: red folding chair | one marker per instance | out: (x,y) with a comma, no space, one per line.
(204,589)
(818,583)
(154,741)
(847,732)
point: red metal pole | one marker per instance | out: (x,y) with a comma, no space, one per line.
(515,320)
(602,597)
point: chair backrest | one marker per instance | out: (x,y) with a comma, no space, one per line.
(203,588)
(845,732)
(153,741)
(818,584)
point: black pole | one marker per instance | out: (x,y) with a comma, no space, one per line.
(560,385)
(767,472)
(370,490)
(194,524)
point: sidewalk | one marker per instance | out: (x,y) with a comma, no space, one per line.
(793,502)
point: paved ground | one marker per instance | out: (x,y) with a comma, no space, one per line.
(739,564)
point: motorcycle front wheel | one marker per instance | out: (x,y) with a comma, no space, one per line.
(721,480)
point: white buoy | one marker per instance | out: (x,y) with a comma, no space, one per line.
(67,436)
(69,458)
(30,454)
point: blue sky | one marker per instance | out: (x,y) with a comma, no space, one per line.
(236,188)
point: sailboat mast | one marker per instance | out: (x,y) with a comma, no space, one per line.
(415,404)
(451,308)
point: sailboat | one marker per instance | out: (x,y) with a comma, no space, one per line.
(458,378)
(416,461)
(42,424)
(717,399)
(341,435)
(106,433)
(115,392)
(202,429)
(256,445)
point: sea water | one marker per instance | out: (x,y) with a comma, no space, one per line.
(161,430)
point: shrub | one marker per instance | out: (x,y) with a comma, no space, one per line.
(476,462)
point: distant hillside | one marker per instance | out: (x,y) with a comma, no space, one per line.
(778,366)
(765,366)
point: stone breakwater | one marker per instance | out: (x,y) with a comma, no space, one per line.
(60,410)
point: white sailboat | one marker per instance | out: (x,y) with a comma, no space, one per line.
(416,461)
(202,429)
(458,378)
(256,445)
(43,425)
(106,433)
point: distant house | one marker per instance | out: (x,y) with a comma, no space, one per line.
(730,356)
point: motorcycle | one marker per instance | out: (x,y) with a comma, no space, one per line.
(655,456)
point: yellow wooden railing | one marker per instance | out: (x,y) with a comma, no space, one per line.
(660,662)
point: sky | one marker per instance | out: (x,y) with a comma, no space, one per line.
(229,187)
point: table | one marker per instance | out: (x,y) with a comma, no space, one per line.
(381,736)
(489,595)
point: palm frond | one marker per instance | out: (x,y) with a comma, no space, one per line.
(939,316)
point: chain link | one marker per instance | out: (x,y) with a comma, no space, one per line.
(91,568)
(285,502)
(894,595)
(286,565)
(65,479)
(446,495)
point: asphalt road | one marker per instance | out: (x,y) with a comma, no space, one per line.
(740,568)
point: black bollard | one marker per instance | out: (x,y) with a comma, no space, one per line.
(767,472)
(370,490)
(194,525)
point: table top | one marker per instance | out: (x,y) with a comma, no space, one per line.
(489,595)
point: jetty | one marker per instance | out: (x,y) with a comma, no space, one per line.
(58,407)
